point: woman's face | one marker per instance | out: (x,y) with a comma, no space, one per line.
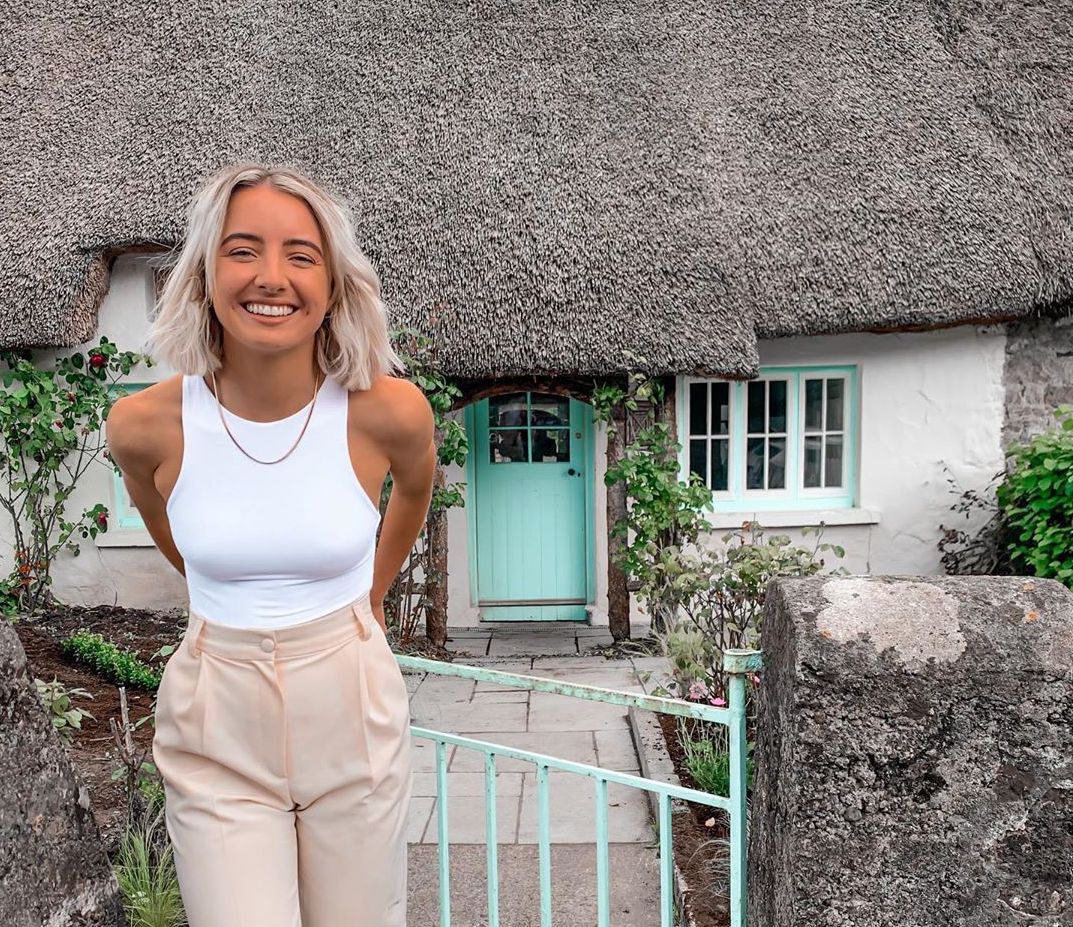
(272,280)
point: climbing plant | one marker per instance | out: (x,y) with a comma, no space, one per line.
(407,603)
(50,436)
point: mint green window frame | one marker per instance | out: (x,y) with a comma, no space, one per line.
(124,514)
(795,496)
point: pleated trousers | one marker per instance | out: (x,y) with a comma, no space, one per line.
(285,756)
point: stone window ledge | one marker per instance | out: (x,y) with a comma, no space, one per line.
(830,517)
(124,537)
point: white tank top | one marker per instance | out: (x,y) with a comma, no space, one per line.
(267,546)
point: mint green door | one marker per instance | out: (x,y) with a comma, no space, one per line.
(532,466)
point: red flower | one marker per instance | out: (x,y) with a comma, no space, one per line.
(102,519)
(97,360)
(70,397)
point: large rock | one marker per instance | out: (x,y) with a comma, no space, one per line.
(915,754)
(53,868)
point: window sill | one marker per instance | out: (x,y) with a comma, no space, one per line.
(830,518)
(124,537)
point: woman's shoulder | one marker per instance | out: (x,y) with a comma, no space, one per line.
(147,413)
(392,408)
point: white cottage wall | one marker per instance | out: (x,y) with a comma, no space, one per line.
(929,401)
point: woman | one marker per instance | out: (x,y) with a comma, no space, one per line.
(282,719)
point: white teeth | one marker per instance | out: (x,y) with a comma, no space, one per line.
(262,309)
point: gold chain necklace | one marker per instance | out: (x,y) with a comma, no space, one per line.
(223,421)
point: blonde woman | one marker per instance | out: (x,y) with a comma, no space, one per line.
(282,719)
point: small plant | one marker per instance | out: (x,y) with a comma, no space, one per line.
(1037,502)
(145,870)
(980,551)
(719,594)
(57,700)
(50,435)
(708,763)
(110,661)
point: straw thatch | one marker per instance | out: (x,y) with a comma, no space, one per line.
(544,185)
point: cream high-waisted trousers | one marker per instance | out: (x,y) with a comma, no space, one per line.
(287,774)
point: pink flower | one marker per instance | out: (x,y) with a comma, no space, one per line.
(718,702)
(698,690)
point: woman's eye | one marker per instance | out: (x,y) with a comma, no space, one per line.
(305,257)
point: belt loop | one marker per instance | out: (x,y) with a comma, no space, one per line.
(363,630)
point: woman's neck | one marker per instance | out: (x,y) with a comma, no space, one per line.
(266,388)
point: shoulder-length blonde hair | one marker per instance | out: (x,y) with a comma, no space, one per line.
(352,346)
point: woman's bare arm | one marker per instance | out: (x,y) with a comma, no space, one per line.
(405,435)
(134,443)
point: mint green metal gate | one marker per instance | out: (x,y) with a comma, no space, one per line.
(738,665)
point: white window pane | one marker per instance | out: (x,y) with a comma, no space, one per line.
(813,405)
(757,411)
(832,461)
(698,408)
(720,464)
(835,404)
(698,458)
(776,473)
(777,406)
(754,463)
(813,452)
(720,409)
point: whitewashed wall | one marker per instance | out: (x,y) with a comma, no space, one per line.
(928,400)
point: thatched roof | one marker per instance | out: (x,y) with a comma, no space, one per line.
(544,185)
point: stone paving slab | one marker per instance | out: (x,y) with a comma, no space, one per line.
(572,811)
(508,645)
(467,783)
(578,746)
(467,718)
(466,819)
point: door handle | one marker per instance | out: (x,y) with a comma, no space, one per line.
(571,472)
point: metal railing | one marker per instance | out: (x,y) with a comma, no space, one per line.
(737,663)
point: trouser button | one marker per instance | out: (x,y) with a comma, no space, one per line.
(268,645)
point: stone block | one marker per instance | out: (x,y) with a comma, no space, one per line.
(53,865)
(914,757)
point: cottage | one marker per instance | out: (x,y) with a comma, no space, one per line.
(844,234)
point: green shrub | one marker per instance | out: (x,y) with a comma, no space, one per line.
(1037,501)
(106,658)
(57,698)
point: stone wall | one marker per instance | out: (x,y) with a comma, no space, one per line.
(53,867)
(914,756)
(1039,375)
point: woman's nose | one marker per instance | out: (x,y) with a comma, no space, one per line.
(270,274)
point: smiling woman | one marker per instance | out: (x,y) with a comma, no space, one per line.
(282,727)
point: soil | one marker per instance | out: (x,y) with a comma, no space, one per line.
(93,748)
(700,844)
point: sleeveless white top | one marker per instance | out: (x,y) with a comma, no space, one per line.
(268,546)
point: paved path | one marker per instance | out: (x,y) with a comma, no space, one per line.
(574,729)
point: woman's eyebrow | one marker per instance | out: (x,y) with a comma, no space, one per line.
(261,241)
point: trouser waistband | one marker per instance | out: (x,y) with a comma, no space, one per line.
(330,630)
